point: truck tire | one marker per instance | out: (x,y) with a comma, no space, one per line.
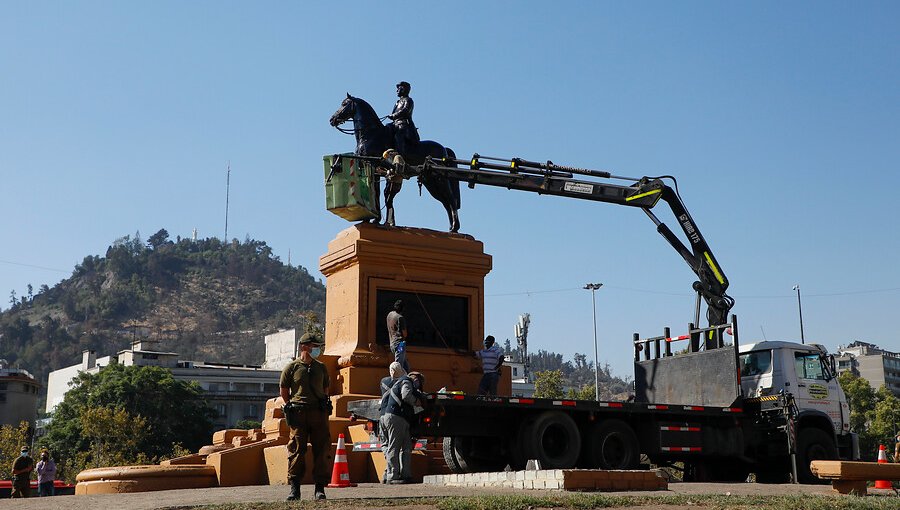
(460,455)
(611,444)
(813,444)
(553,439)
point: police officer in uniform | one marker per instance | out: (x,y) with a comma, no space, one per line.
(406,136)
(304,389)
(21,474)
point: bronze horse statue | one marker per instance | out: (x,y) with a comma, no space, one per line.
(373,138)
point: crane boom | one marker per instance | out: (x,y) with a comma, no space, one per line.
(570,182)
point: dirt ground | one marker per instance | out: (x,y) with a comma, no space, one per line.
(270,493)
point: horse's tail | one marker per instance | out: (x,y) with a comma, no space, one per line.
(454,183)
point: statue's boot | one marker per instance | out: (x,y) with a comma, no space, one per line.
(295,490)
(389,220)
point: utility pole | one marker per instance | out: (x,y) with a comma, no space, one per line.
(800,309)
(227,193)
(593,288)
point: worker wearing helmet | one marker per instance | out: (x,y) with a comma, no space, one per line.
(393,177)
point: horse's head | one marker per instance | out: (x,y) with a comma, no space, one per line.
(345,112)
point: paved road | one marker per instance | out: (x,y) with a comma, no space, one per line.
(270,493)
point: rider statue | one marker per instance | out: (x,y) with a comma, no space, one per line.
(406,136)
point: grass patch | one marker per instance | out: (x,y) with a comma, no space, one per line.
(579,501)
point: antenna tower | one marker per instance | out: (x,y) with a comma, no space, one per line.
(227,192)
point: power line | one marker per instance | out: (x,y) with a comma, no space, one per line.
(682,294)
(32,265)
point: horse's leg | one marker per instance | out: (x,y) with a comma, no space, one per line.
(453,216)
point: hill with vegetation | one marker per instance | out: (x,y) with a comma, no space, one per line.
(204,299)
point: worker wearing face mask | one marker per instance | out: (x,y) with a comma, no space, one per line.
(304,389)
(21,471)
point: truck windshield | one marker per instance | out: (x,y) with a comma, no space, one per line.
(756,363)
(809,366)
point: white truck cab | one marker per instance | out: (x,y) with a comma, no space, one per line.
(806,371)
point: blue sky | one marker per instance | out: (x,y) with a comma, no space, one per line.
(781,122)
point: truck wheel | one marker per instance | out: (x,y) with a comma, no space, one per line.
(611,444)
(553,439)
(472,455)
(813,444)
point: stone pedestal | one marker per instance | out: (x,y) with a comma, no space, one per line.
(440,277)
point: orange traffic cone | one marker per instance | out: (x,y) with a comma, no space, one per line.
(340,475)
(882,459)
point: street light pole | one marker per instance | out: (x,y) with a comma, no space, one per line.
(593,288)
(800,309)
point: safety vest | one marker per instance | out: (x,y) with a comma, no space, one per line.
(392,401)
(386,384)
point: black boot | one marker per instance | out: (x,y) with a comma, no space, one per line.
(295,490)
(320,491)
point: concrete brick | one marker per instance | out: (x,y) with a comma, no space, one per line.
(530,475)
(520,475)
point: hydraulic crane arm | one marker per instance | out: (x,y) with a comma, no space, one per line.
(644,193)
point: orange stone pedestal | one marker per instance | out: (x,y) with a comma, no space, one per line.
(368,264)
(440,276)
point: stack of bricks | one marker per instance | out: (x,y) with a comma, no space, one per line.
(565,479)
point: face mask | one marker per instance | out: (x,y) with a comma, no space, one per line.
(315,352)
(23,454)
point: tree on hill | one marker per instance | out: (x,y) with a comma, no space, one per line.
(199,298)
(127,414)
(548,384)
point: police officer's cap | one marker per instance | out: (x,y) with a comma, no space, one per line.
(24,449)
(404,84)
(310,338)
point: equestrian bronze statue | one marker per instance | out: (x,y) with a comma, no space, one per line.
(373,138)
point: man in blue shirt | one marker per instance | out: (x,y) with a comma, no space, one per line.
(491,358)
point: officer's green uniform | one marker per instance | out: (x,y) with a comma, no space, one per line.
(21,484)
(308,420)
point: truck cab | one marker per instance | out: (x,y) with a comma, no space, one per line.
(808,372)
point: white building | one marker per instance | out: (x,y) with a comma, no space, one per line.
(236,392)
(521,386)
(872,363)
